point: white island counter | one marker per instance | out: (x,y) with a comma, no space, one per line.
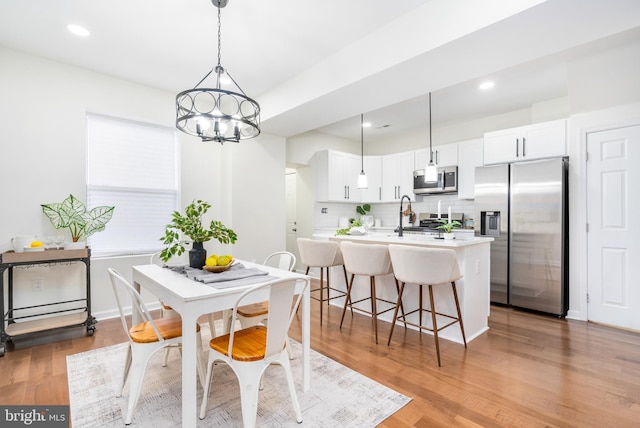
(473,287)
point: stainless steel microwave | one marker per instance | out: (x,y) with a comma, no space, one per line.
(447,181)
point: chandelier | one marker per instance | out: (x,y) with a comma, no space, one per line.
(218,114)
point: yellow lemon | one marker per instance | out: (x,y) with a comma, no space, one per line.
(223,261)
(211,261)
(36,244)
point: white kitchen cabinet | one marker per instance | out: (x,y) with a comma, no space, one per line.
(540,140)
(397,176)
(470,155)
(443,155)
(336,177)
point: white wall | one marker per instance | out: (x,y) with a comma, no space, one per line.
(43,152)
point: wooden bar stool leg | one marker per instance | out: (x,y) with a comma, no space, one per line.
(321,292)
(346,281)
(328,286)
(435,326)
(374,309)
(420,308)
(347,301)
(401,306)
(395,312)
(455,296)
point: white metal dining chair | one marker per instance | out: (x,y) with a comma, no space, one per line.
(250,351)
(258,312)
(145,338)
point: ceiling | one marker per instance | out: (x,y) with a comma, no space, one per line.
(316,65)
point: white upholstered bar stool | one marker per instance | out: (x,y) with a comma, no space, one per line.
(323,255)
(367,260)
(426,266)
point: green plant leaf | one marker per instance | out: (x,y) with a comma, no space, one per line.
(190,224)
(72,214)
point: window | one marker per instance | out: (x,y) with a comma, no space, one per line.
(134,167)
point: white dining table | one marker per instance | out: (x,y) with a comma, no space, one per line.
(192,299)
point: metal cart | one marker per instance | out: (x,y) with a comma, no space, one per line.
(52,317)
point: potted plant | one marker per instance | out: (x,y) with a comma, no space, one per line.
(447,227)
(73,215)
(190,225)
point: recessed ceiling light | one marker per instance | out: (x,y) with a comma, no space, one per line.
(78,30)
(486,85)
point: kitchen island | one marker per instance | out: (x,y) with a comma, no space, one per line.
(473,288)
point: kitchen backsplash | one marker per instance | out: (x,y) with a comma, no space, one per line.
(388,213)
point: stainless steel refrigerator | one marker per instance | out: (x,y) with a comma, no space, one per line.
(524,207)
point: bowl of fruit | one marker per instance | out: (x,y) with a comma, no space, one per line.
(215,263)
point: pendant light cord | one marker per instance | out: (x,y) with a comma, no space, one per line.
(361,142)
(430,149)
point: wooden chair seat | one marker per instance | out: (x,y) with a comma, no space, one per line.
(249,344)
(255,310)
(169,328)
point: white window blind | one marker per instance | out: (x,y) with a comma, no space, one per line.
(133,166)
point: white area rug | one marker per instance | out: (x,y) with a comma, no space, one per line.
(339,396)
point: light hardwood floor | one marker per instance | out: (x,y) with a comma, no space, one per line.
(527,371)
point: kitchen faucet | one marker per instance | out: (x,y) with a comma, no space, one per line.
(400,227)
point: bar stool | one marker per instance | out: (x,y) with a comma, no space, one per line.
(323,255)
(367,260)
(426,266)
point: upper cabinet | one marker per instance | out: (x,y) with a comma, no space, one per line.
(541,140)
(444,155)
(397,176)
(336,177)
(470,155)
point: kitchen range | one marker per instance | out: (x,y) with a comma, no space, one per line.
(428,223)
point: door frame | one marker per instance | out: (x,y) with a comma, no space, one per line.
(580,125)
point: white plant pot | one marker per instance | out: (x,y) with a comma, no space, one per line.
(75,245)
(448,235)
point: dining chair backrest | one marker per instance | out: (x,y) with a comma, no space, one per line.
(317,253)
(366,259)
(282,260)
(122,288)
(418,265)
(280,295)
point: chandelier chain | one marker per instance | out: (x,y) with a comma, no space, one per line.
(219,35)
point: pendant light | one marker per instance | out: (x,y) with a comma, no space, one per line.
(215,113)
(362,178)
(431,169)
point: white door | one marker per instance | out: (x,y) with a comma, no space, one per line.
(613,240)
(292,227)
